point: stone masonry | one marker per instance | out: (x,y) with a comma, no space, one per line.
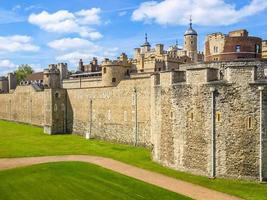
(204,118)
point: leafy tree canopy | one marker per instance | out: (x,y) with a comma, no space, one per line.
(22,72)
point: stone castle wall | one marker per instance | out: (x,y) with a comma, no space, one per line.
(182,120)
(24,105)
(110,116)
(110,112)
(171,112)
(82,83)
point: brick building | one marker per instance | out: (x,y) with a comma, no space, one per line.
(264,49)
(236,45)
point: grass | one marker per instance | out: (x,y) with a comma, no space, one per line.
(17,140)
(75,180)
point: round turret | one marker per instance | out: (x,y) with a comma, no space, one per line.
(190,43)
(112,72)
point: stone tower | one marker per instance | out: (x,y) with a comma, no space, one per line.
(52,77)
(146,46)
(112,72)
(12,81)
(81,66)
(190,42)
(55,107)
(63,70)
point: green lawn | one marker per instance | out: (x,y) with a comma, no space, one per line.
(75,180)
(18,140)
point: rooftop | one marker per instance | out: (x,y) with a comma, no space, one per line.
(35,76)
(190,30)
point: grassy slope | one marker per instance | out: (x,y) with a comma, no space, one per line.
(18,140)
(75,180)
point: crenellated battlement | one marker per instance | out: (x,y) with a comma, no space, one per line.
(108,62)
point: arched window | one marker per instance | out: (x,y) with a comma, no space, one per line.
(257,48)
(57,95)
(215,49)
(237,48)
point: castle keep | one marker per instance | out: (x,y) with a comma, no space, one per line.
(207,118)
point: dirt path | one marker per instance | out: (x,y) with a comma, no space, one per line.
(181,187)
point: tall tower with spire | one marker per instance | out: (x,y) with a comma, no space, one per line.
(190,42)
(146,46)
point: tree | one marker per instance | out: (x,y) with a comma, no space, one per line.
(22,72)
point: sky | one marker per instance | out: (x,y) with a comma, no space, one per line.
(39,33)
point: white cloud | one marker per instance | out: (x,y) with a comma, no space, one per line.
(87,55)
(74,57)
(73,49)
(17,43)
(6,64)
(204,12)
(90,16)
(64,21)
(72,43)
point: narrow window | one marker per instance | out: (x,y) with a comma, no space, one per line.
(113,80)
(237,48)
(218,117)
(105,70)
(191,116)
(215,49)
(249,122)
(57,95)
(257,48)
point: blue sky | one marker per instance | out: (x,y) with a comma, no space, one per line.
(39,32)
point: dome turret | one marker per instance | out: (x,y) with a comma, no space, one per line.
(190,30)
(146,44)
